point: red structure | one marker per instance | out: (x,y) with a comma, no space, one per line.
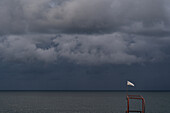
(135,97)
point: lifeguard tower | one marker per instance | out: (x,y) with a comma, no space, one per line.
(134,97)
(138,97)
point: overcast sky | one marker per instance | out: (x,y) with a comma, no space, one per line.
(84,44)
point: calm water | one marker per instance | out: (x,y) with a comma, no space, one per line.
(78,102)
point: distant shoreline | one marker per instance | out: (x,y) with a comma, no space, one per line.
(84,90)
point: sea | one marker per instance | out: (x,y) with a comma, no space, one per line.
(80,101)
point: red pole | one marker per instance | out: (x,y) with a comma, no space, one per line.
(127,104)
(143,105)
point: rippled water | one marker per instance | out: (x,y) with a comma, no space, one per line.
(78,102)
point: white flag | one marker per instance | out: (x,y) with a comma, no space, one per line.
(130,83)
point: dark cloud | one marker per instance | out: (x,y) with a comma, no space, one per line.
(101,40)
(24,48)
(116,48)
(102,31)
(74,16)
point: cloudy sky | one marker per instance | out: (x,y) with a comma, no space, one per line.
(84,44)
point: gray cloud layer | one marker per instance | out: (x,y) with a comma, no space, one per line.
(116,48)
(91,32)
(21,16)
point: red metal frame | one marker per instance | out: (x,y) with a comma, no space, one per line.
(135,97)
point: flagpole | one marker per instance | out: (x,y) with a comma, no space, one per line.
(126,90)
(129,83)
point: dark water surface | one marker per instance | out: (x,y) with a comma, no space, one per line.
(78,102)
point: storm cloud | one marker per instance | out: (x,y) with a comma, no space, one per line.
(84,31)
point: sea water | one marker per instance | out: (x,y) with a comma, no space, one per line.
(78,102)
